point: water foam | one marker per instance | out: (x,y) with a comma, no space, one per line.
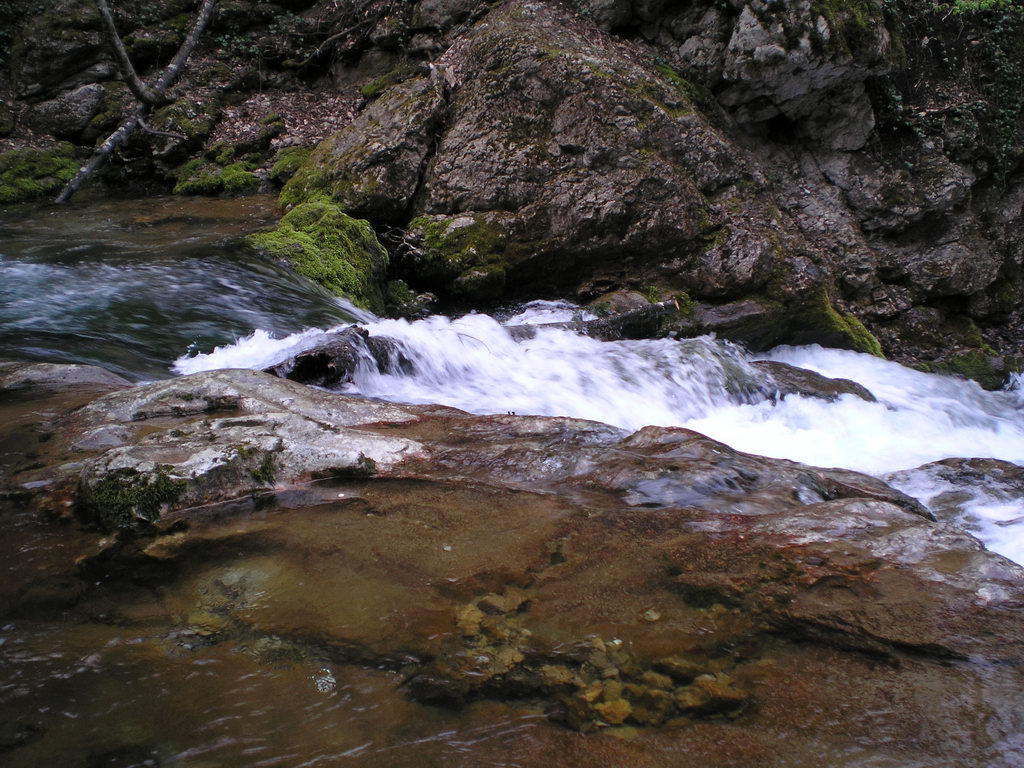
(475,364)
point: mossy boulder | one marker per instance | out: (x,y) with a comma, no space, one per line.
(372,168)
(191,118)
(114,104)
(467,255)
(201,177)
(819,322)
(981,364)
(30,174)
(128,498)
(287,161)
(328,246)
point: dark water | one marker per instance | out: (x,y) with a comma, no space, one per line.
(132,285)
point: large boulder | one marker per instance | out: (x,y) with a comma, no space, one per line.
(373,167)
(539,156)
(807,62)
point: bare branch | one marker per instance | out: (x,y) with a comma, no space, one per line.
(150,97)
(173,71)
(101,155)
(155,132)
(141,91)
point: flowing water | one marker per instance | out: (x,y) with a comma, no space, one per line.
(475,364)
(157,288)
(131,285)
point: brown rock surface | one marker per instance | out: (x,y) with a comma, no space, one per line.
(658,581)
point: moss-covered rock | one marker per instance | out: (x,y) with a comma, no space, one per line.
(330,247)
(201,177)
(30,174)
(238,179)
(372,167)
(821,323)
(404,71)
(191,118)
(113,107)
(287,161)
(979,364)
(127,498)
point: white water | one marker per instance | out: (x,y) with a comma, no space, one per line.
(473,363)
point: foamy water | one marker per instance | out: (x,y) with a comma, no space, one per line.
(473,363)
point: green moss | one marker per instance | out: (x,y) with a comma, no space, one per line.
(854,24)
(264,473)
(821,322)
(111,110)
(397,293)
(287,161)
(973,364)
(237,179)
(198,177)
(126,496)
(29,174)
(450,250)
(193,119)
(329,247)
(405,70)
(692,91)
(687,306)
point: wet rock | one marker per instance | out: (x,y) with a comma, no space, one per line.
(322,242)
(514,558)
(257,431)
(799,381)
(57,378)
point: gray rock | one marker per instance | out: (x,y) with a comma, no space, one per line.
(67,115)
(609,14)
(786,59)
(441,14)
(799,381)
(236,431)
(372,167)
(57,378)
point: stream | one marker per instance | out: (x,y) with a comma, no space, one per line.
(162,287)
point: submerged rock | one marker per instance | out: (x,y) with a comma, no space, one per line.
(57,378)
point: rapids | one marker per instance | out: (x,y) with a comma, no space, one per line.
(704,384)
(157,287)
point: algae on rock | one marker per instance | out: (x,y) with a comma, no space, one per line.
(29,174)
(325,244)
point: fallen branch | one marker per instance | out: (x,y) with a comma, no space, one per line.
(149,96)
(155,132)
